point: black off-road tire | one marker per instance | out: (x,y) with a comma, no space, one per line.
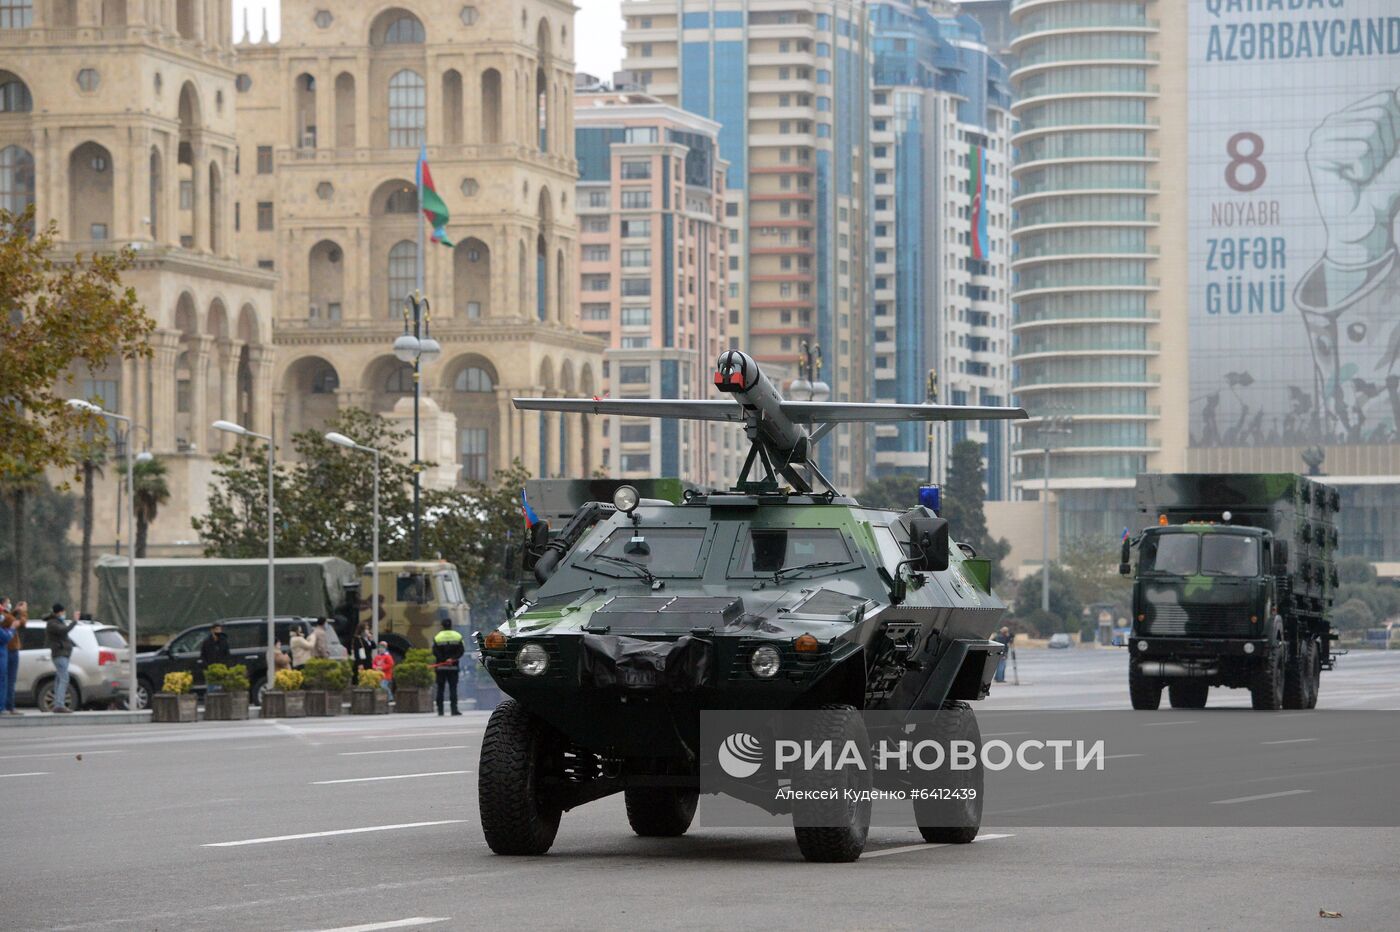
(1145,692)
(834,830)
(660,811)
(513,817)
(1189,694)
(953,821)
(1297,674)
(1266,691)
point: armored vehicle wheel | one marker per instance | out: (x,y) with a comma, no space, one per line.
(660,811)
(1145,692)
(954,821)
(1297,675)
(514,750)
(1266,692)
(1191,694)
(834,830)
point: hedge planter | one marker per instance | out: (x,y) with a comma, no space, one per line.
(174,707)
(369,701)
(413,699)
(226,706)
(320,702)
(279,704)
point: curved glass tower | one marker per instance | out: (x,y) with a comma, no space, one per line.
(1085,219)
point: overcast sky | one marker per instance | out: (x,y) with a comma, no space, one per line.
(597,43)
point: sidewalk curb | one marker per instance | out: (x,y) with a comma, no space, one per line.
(48,719)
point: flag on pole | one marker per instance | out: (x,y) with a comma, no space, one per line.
(432,205)
(531,519)
(977,188)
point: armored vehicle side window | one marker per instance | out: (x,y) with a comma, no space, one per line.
(673,551)
(1170,554)
(1229,555)
(892,553)
(449,589)
(767,550)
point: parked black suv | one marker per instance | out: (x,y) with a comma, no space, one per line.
(247,641)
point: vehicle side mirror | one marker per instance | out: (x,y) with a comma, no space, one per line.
(1280,556)
(928,538)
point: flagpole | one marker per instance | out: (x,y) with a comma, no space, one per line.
(418,362)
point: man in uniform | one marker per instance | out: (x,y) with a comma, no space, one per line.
(447,651)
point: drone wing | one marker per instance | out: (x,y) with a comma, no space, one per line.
(719,409)
(799,412)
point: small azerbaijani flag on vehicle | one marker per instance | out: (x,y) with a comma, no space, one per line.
(432,205)
(1125,533)
(531,519)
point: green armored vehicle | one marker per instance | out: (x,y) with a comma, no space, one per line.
(778,594)
(1233,587)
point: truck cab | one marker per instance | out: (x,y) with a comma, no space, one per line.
(415,597)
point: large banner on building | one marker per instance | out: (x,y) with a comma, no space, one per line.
(1294,194)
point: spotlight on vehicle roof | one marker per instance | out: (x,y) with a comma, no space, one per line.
(626,499)
(1226,516)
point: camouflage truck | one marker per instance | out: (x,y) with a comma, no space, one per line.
(415,597)
(1233,586)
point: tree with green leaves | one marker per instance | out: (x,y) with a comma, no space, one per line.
(898,492)
(61,314)
(963,498)
(150,490)
(35,567)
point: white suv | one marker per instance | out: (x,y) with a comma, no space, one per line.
(98,671)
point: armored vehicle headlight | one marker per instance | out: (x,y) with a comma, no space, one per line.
(532,660)
(765,662)
(1142,645)
(626,499)
(1248,648)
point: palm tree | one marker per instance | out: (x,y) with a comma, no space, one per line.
(150,491)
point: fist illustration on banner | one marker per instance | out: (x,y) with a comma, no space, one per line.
(1354,162)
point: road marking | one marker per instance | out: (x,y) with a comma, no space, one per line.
(1118,756)
(36,773)
(1250,799)
(925,847)
(1289,741)
(400,776)
(339,831)
(418,734)
(1184,721)
(392,924)
(57,754)
(445,747)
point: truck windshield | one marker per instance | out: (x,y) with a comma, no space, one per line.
(1229,555)
(1170,554)
(672,551)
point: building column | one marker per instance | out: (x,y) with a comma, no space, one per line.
(199,347)
(199,197)
(260,359)
(230,352)
(165,349)
(505,440)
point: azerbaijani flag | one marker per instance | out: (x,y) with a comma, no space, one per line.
(531,519)
(433,207)
(977,188)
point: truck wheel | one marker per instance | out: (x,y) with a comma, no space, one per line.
(1266,692)
(953,821)
(1145,692)
(1191,694)
(834,830)
(1297,674)
(513,751)
(660,811)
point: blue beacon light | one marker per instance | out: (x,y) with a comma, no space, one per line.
(931,497)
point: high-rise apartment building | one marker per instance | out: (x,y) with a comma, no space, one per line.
(940,163)
(653,271)
(1100,272)
(788,83)
(117,122)
(331,122)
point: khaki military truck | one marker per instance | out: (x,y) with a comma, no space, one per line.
(415,596)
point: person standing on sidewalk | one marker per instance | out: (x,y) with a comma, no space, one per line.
(9,663)
(1003,637)
(21,620)
(447,651)
(320,645)
(60,647)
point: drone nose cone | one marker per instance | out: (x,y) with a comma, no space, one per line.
(735,371)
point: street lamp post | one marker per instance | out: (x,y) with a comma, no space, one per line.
(1050,424)
(931,397)
(416,345)
(341,440)
(241,431)
(93,409)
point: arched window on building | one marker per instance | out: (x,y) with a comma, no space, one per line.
(156,191)
(473,379)
(400,380)
(403,29)
(490,106)
(403,274)
(16,179)
(401,200)
(14,93)
(452,106)
(345,111)
(406,110)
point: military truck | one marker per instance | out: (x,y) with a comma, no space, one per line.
(175,594)
(1232,587)
(780,593)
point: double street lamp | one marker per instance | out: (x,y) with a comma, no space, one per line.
(97,411)
(341,440)
(416,346)
(241,431)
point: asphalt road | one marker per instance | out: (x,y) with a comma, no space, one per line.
(368,823)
